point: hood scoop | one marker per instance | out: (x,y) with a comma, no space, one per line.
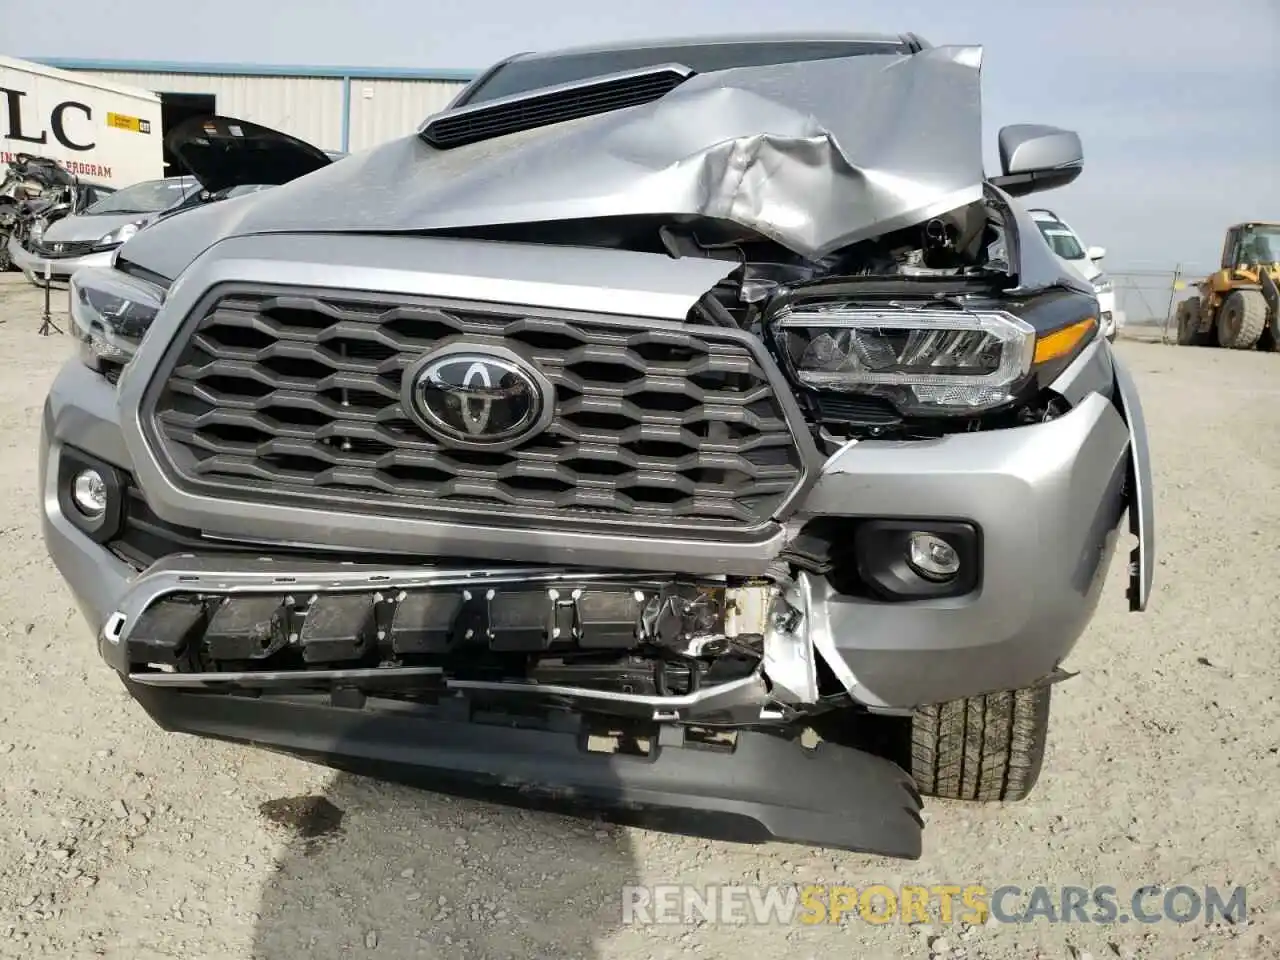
(567,101)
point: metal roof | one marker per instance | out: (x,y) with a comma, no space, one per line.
(255,69)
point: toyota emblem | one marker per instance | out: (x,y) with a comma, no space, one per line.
(478,397)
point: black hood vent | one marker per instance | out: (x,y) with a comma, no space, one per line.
(569,101)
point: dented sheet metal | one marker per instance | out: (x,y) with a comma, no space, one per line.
(815,155)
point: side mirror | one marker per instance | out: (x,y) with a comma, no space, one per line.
(1096,253)
(1034,158)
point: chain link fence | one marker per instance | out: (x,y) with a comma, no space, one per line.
(1149,294)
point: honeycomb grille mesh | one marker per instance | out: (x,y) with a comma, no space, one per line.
(297,397)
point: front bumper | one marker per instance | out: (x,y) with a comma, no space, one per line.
(60,269)
(1047,498)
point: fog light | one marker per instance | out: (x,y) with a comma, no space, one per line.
(932,557)
(89,493)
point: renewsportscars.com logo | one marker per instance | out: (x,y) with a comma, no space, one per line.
(971,904)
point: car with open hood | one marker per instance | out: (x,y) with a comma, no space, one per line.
(89,237)
(648,411)
(222,157)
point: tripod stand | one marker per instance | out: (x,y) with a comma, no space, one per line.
(46,321)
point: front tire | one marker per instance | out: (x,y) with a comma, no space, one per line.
(988,748)
(1242,319)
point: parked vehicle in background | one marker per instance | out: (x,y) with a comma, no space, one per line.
(1238,305)
(98,131)
(34,192)
(609,435)
(1086,261)
(248,160)
(89,238)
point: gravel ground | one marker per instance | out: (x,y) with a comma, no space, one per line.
(118,840)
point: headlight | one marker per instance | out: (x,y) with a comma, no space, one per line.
(923,361)
(111,312)
(926,362)
(119,235)
(1102,284)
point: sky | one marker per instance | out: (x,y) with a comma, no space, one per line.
(1177,102)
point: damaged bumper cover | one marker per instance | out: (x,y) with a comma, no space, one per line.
(761,788)
(1042,538)
(246,612)
(1044,541)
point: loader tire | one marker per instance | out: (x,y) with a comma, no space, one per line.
(987,748)
(1187,316)
(1242,319)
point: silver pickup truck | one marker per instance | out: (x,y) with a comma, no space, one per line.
(692,431)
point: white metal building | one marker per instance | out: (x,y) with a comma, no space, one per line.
(334,108)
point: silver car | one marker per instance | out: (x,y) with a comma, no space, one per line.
(260,158)
(651,412)
(89,238)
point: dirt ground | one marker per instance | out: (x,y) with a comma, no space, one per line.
(118,840)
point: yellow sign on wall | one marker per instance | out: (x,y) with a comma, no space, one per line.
(121,122)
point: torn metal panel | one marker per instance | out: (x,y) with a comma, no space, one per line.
(815,155)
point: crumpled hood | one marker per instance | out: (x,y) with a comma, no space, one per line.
(815,155)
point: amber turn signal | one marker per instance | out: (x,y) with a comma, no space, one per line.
(1063,342)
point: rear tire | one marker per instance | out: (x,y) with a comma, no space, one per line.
(1242,319)
(987,748)
(1187,317)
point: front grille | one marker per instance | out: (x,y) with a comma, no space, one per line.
(485,121)
(63,248)
(293,396)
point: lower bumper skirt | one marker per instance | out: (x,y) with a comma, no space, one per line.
(764,788)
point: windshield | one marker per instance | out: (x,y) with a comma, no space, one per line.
(1260,245)
(523,75)
(1064,242)
(152,196)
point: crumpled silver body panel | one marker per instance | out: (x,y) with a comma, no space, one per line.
(815,155)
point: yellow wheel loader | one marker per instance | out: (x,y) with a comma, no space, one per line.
(1239,305)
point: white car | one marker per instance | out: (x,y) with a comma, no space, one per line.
(1066,244)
